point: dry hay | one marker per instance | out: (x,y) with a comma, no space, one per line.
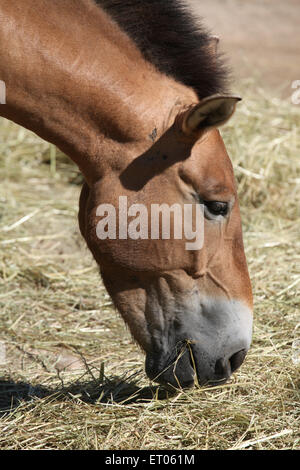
(71,376)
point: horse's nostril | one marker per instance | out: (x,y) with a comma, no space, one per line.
(222,368)
(237,359)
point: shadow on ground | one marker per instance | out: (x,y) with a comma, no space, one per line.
(119,390)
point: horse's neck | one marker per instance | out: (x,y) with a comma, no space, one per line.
(77,81)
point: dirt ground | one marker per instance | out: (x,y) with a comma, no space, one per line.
(260,37)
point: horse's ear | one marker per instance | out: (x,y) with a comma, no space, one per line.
(212,111)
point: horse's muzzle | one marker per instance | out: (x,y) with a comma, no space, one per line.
(194,365)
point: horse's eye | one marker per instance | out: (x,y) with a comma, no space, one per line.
(217,207)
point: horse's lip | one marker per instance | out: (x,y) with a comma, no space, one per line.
(179,378)
(190,383)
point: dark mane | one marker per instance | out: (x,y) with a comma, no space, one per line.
(169,37)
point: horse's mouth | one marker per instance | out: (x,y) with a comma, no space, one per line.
(179,370)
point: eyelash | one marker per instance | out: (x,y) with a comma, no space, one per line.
(209,209)
(217,207)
